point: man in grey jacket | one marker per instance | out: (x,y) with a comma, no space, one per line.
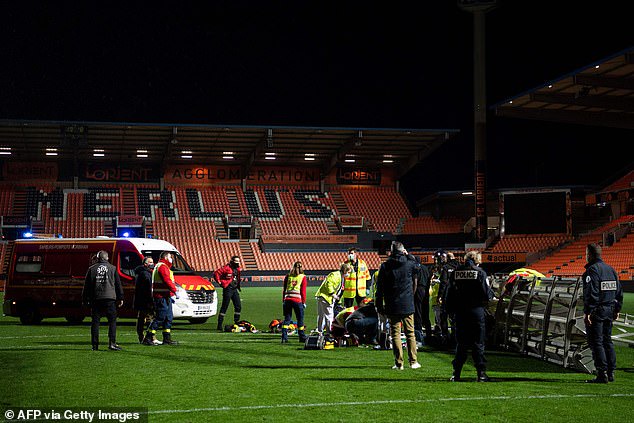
(395,289)
(103,293)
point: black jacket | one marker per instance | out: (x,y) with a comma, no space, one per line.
(445,274)
(602,291)
(468,288)
(143,289)
(423,279)
(395,285)
(102,283)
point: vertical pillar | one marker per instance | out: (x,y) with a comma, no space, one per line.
(479,110)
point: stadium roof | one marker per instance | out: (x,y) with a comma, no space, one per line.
(600,94)
(214,144)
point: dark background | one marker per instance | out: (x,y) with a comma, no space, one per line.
(535,213)
(391,65)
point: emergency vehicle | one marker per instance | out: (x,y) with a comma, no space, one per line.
(45,278)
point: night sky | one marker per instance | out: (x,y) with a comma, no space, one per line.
(392,65)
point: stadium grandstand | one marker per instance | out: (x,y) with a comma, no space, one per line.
(270,195)
(274,195)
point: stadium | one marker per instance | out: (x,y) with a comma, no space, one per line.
(276,194)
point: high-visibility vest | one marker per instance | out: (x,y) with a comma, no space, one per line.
(343,314)
(433,293)
(159,286)
(375,278)
(355,283)
(329,286)
(293,288)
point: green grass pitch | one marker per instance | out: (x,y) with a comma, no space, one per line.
(227,377)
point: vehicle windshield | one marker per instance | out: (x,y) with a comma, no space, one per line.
(179,266)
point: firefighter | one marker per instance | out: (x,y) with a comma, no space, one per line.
(467,296)
(294,298)
(228,276)
(327,296)
(164,289)
(602,301)
(355,283)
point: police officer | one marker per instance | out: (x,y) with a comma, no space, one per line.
(602,301)
(103,293)
(467,297)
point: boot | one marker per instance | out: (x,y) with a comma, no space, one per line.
(455,377)
(147,339)
(302,336)
(221,317)
(602,377)
(284,335)
(114,347)
(150,339)
(482,376)
(167,339)
(610,375)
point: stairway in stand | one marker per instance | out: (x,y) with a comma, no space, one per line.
(221,231)
(108,228)
(234,203)
(19,203)
(248,258)
(149,229)
(333,229)
(37,227)
(8,252)
(129,202)
(340,204)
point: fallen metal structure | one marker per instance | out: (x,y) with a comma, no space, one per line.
(543,318)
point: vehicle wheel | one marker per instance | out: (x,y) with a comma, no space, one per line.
(75,320)
(30,316)
(198,320)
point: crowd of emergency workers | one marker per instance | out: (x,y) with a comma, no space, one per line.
(388,309)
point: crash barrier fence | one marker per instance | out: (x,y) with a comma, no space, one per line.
(544,318)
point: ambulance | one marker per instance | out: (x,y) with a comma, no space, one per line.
(45,278)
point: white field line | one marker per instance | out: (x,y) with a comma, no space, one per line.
(380,402)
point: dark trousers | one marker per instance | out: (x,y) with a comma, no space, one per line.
(470,334)
(365,329)
(108,309)
(599,335)
(163,314)
(288,308)
(349,302)
(231,294)
(421,311)
(143,320)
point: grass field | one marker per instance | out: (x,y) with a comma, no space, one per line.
(214,376)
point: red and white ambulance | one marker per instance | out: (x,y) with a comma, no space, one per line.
(46,276)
